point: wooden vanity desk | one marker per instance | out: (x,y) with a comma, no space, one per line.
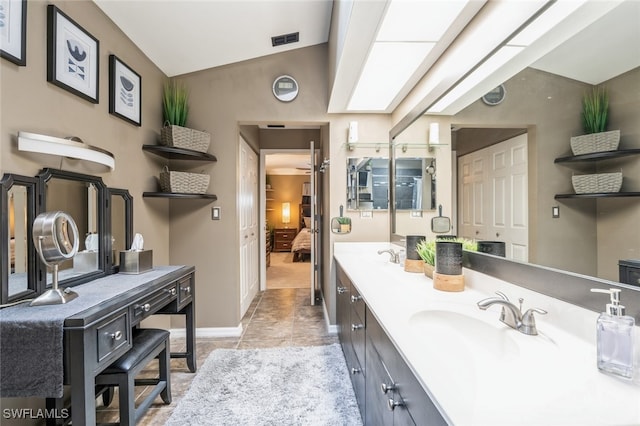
(100,329)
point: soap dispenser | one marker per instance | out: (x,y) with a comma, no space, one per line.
(615,337)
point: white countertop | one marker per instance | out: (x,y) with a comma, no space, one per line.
(477,370)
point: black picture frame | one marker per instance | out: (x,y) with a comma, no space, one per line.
(125,91)
(73,56)
(14,41)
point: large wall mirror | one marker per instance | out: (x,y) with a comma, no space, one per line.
(83,198)
(539,115)
(18,203)
(367,183)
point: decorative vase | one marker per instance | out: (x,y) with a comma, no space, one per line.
(496,248)
(412,241)
(448,258)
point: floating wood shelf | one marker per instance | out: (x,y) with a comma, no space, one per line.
(599,195)
(177,195)
(597,156)
(173,153)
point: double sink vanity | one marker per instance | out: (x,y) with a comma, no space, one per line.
(422,356)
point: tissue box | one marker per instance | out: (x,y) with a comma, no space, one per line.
(85,261)
(136,262)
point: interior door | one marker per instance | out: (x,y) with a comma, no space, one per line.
(315,223)
(249,236)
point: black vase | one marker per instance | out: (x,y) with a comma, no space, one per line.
(412,241)
(496,248)
(448,258)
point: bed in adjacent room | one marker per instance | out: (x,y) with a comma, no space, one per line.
(301,245)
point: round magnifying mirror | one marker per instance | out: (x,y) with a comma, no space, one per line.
(55,236)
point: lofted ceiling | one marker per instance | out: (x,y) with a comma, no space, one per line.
(597,40)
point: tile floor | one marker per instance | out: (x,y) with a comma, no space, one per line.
(276,317)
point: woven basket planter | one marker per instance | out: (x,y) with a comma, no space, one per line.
(183,182)
(597,183)
(184,137)
(595,142)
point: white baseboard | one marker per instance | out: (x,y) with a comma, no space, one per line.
(331,329)
(209,332)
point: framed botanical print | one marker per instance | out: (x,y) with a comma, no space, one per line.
(72,56)
(13,31)
(125,91)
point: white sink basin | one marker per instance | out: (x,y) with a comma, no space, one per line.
(467,335)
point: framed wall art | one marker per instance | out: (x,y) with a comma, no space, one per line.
(13,31)
(125,91)
(72,56)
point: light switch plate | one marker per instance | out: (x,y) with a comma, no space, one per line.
(555,212)
(366,214)
(215,213)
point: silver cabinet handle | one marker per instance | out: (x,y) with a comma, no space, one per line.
(355,371)
(355,327)
(186,289)
(386,388)
(354,299)
(117,335)
(146,307)
(172,291)
(341,290)
(392,404)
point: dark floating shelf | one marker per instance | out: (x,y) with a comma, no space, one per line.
(179,195)
(595,156)
(174,153)
(599,195)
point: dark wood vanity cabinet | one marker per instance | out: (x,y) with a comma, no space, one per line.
(387,391)
(629,272)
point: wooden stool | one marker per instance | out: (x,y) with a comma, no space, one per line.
(148,344)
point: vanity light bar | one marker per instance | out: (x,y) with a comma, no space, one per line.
(42,144)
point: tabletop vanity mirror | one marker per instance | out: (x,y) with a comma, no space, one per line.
(104,217)
(367,183)
(18,205)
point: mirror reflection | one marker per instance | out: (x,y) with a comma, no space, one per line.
(79,198)
(341,225)
(415,183)
(367,183)
(18,231)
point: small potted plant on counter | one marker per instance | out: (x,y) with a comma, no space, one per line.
(427,251)
(595,117)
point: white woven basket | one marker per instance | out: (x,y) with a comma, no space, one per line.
(184,137)
(597,183)
(595,142)
(183,182)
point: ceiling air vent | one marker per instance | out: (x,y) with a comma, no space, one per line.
(285,39)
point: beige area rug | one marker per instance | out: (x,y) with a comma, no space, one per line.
(285,273)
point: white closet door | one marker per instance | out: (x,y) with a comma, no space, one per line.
(493,197)
(249,237)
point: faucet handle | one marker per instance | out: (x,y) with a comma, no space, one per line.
(528,325)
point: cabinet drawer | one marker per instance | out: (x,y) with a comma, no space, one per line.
(287,235)
(185,291)
(113,334)
(358,335)
(357,303)
(378,411)
(283,245)
(358,380)
(152,303)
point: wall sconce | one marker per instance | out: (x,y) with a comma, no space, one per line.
(71,147)
(352,135)
(434,134)
(286,213)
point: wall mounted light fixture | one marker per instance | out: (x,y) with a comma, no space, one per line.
(71,147)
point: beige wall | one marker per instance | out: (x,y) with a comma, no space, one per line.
(586,238)
(29,103)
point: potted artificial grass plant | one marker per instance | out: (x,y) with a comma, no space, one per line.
(595,117)
(427,251)
(175,110)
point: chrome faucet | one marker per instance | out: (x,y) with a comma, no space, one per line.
(512,315)
(395,256)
